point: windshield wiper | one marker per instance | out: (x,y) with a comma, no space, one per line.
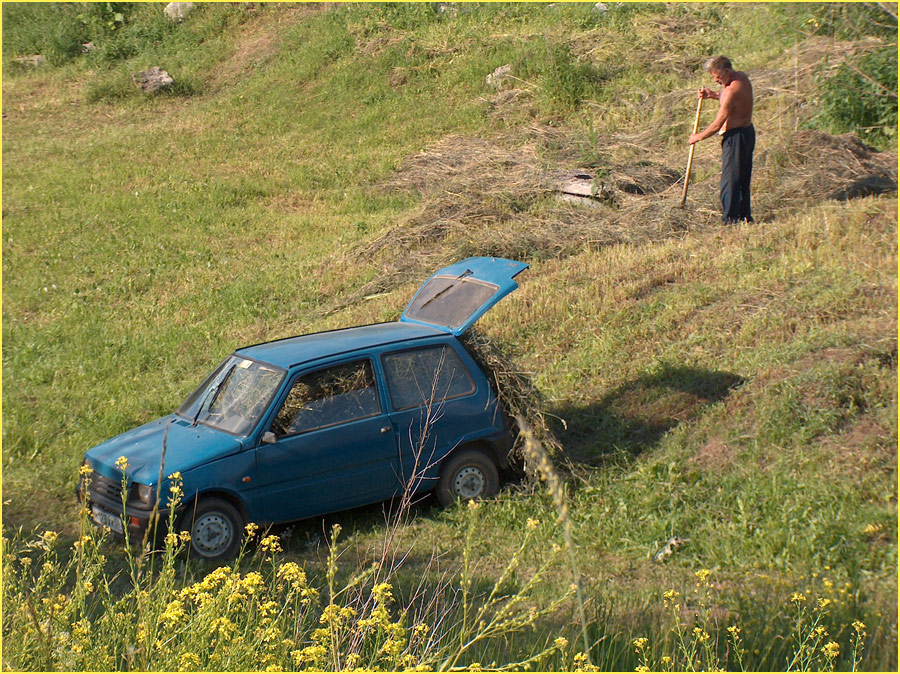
(467,272)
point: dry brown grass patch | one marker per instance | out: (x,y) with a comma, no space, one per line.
(714,456)
(862,448)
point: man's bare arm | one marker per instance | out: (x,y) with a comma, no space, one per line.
(726,108)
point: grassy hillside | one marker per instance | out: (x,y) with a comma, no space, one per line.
(732,387)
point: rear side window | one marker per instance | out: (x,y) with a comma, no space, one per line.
(424,376)
(328,397)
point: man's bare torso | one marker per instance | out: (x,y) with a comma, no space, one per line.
(736,98)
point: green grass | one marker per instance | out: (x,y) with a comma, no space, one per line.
(734,387)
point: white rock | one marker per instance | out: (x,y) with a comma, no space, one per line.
(495,79)
(152,79)
(176,11)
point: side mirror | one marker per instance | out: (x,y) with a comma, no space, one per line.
(269,438)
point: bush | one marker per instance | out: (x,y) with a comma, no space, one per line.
(852,20)
(862,97)
(40,28)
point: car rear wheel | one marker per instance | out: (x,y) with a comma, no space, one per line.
(468,475)
(215,527)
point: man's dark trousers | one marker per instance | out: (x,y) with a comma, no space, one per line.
(737,164)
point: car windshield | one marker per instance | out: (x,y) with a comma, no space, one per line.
(234,396)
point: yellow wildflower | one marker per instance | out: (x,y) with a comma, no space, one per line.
(122,463)
(391,648)
(271,544)
(561,643)
(81,629)
(831,650)
(253,581)
(309,655)
(251,529)
(532,524)
(642,668)
(582,664)
(474,505)
(172,615)
(223,626)
(701,634)
(269,608)
(175,492)
(860,627)
(798,598)
(85,470)
(188,662)
(640,643)
(292,574)
(734,630)
(703,574)
(382,593)
(823,603)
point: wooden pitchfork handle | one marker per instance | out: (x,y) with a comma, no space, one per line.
(687,173)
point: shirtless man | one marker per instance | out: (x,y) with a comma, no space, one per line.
(738,137)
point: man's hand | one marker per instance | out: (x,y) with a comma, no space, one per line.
(695,137)
(706,93)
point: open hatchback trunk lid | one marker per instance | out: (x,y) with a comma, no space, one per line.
(457,296)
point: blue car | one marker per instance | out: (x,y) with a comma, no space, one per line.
(314,424)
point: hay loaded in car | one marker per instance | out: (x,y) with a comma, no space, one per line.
(318,423)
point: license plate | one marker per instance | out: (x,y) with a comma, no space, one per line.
(108,520)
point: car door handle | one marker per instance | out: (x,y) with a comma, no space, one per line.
(385,429)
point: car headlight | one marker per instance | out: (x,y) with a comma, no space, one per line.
(142,493)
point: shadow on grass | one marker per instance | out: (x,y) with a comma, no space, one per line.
(632,418)
(635,416)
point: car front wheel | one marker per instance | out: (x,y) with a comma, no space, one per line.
(215,527)
(468,475)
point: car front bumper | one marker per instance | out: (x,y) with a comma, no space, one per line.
(132,523)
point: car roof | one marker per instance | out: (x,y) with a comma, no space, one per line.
(306,348)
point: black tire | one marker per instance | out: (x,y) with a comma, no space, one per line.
(469,475)
(216,528)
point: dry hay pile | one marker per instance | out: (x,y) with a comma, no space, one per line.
(490,197)
(518,397)
(818,166)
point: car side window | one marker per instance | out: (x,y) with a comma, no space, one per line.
(332,396)
(422,376)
